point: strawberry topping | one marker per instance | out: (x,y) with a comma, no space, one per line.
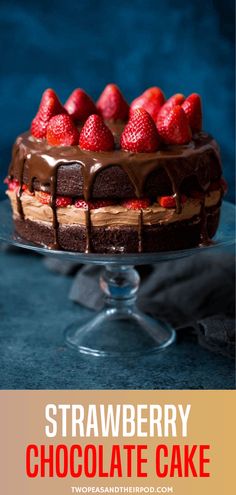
(13,184)
(93,205)
(45,199)
(95,135)
(176,99)
(140,134)
(174,128)
(192,107)
(151,100)
(61,131)
(79,105)
(112,105)
(136,204)
(27,191)
(170,201)
(49,106)
(63,201)
(81,203)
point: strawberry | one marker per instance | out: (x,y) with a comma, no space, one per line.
(81,203)
(13,184)
(61,131)
(136,204)
(49,106)
(151,100)
(174,128)
(176,99)
(140,134)
(63,201)
(79,105)
(167,201)
(192,107)
(112,105)
(99,203)
(26,190)
(170,201)
(45,199)
(95,135)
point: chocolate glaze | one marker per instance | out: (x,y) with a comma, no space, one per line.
(43,162)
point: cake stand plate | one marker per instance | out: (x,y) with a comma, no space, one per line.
(120,328)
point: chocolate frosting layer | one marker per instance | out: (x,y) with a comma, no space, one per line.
(38,164)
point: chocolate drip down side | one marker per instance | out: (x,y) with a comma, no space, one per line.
(43,162)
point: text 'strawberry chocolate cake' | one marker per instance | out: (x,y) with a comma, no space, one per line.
(109,178)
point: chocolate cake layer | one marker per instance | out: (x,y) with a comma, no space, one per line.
(118,175)
(125,239)
(71,171)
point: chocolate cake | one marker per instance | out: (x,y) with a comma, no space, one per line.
(114,179)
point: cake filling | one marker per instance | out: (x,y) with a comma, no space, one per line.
(114,215)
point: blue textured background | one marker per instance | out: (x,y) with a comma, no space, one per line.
(178,45)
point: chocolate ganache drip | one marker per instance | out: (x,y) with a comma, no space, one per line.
(43,161)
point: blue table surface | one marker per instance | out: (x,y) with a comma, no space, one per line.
(34,311)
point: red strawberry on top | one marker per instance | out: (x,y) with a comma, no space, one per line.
(79,105)
(112,105)
(95,135)
(49,106)
(192,107)
(176,99)
(136,204)
(174,128)
(61,131)
(151,100)
(140,134)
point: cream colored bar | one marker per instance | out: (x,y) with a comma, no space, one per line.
(109,215)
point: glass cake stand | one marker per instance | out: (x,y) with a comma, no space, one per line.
(120,328)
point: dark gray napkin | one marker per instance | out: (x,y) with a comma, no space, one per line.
(196,293)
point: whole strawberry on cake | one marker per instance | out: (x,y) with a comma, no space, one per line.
(116,178)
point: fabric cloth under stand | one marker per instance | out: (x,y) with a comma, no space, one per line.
(194,294)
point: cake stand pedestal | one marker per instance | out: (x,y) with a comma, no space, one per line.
(120,328)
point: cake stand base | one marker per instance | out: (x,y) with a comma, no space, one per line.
(121,328)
